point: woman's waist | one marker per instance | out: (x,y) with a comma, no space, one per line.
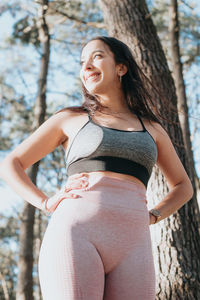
(107,190)
(128,180)
(120,176)
(105,202)
(123,169)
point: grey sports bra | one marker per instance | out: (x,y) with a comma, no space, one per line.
(100,148)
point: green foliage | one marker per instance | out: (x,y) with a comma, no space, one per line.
(72,7)
(189,21)
(26,31)
(16,121)
(8,229)
(190,37)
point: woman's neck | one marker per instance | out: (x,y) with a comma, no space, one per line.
(114,103)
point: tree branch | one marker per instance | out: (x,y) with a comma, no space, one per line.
(183,1)
(78,20)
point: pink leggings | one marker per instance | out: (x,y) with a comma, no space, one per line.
(98,246)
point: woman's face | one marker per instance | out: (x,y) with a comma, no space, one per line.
(99,72)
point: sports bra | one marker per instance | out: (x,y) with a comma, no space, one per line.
(99,148)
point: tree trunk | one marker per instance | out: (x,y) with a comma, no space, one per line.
(180,89)
(38,240)
(4,287)
(25,264)
(175,240)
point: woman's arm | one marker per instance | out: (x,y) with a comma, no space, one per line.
(180,187)
(43,141)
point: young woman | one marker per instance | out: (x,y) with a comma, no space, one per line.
(97,244)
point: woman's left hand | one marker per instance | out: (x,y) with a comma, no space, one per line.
(152,219)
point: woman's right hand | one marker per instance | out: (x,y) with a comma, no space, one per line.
(77,181)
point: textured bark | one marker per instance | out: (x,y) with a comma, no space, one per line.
(175,240)
(38,240)
(4,287)
(177,69)
(25,264)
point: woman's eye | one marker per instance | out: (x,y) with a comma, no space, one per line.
(97,55)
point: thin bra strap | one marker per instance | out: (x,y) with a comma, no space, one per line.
(88,113)
(89,116)
(140,119)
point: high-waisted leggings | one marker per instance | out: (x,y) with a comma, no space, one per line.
(98,246)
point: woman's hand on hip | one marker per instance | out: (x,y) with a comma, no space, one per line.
(53,202)
(152,219)
(75,182)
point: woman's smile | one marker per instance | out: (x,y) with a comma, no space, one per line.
(93,76)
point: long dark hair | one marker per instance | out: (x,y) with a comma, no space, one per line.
(136,94)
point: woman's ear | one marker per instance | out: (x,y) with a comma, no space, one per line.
(122,69)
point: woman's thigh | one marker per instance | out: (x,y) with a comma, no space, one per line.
(70,267)
(133,278)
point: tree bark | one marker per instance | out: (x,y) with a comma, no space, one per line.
(25,264)
(4,287)
(180,89)
(175,240)
(38,240)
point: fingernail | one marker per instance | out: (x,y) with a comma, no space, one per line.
(75,196)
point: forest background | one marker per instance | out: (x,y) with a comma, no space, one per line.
(69,24)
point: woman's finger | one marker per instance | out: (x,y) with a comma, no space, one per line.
(79,175)
(76,186)
(65,196)
(77,183)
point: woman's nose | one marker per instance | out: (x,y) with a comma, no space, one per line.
(87,65)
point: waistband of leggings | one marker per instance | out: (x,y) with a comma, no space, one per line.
(117,182)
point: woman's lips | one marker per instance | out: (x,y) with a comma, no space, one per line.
(93,76)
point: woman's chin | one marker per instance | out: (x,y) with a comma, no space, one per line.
(94,90)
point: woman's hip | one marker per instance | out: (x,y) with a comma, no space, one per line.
(111,214)
(106,198)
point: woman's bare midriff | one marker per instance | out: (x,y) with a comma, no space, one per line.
(116,175)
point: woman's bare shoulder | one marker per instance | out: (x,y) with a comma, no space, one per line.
(69,115)
(155,129)
(160,135)
(70,111)
(158,127)
(71,119)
